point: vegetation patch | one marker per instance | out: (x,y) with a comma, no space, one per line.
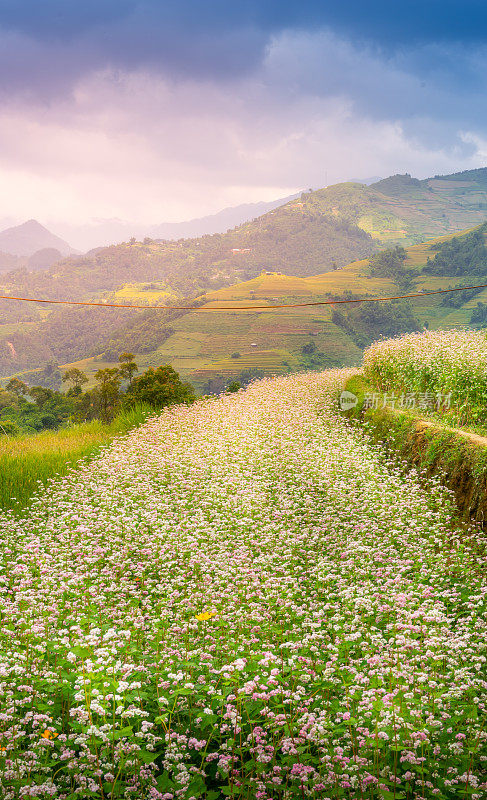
(457,457)
(435,365)
(118,401)
(28,463)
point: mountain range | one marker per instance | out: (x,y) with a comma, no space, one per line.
(104,232)
(21,241)
(317,233)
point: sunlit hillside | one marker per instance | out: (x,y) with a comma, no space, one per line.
(201,344)
(205,344)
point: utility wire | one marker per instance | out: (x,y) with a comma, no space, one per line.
(241,308)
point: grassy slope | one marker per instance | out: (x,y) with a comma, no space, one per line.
(267,340)
(430,310)
(436,206)
(457,455)
(26,462)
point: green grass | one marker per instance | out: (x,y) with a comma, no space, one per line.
(29,462)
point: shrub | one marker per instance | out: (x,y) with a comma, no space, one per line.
(159,388)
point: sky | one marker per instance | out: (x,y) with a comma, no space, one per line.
(156,110)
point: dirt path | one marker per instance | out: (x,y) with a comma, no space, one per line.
(475,438)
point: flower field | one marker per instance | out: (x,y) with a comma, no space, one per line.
(243,599)
(452,361)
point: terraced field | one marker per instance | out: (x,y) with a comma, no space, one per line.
(149,293)
(204,342)
(271,340)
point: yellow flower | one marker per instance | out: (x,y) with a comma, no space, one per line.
(205,615)
(3,749)
(48,734)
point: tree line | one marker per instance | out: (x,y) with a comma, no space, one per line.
(29,409)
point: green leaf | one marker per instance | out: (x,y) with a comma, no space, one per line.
(146,756)
(196,788)
(164,782)
(83,652)
(208,719)
(123,732)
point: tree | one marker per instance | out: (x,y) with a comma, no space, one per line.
(479,315)
(9,428)
(249,375)
(308,349)
(76,377)
(390,264)
(17,387)
(49,376)
(127,367)
(215,385)
(107,392)
(159,388)
(40,395)
(8,399)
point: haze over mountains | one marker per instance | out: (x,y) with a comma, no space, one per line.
(318,231)
(28,238)
(411,205)
(31,246)
(101,233)
(25,240)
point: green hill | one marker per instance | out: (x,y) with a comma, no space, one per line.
(211,348)
(306,236)
(316,234)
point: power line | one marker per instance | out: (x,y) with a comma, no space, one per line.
(241,308)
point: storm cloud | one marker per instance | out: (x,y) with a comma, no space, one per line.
(155,111)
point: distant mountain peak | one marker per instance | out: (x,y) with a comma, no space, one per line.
(29,237)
